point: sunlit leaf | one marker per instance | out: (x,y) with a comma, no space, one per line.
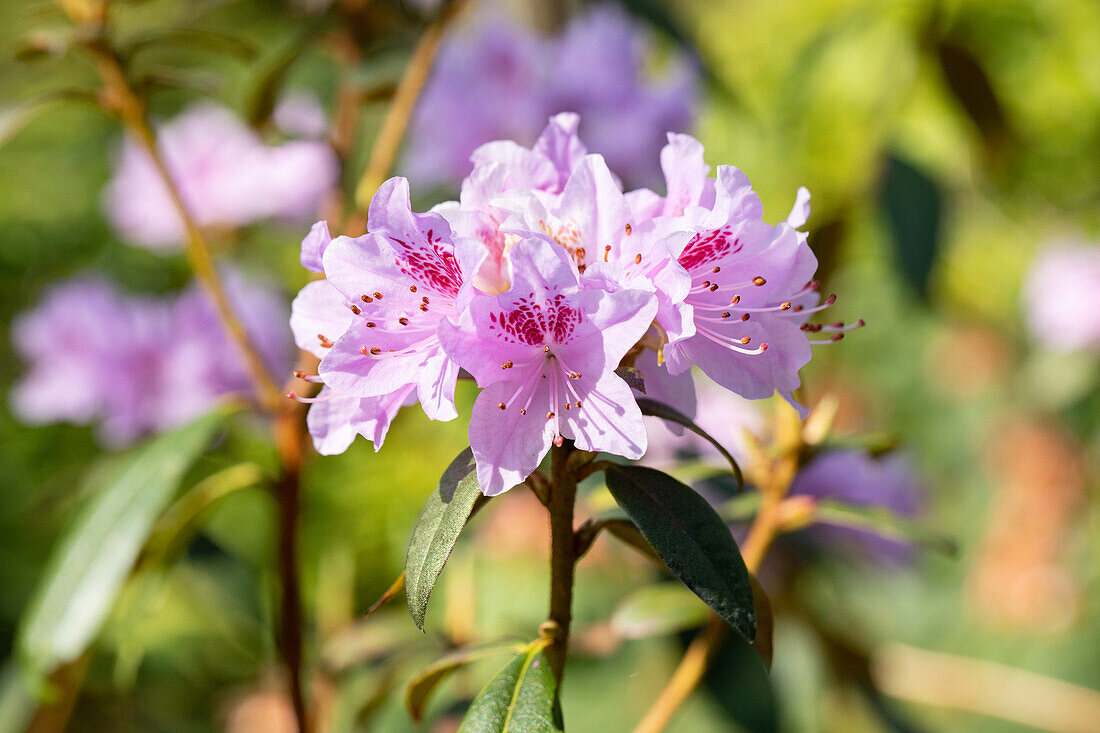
(426,680)
(14,117)
(100,546)
(654,408)
(436,531)
(694,542)
(522,698)
(205,38)
(658,610)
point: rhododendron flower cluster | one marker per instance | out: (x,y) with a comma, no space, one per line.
(496,79)
(137,364)
(225,173)
(542,280)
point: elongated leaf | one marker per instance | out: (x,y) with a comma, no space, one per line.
(913,205)
(658,610)
(654,408)
(436,531)
(522,698)
(99,548)
(883,522)
(426,680)
(691,538)
(14,117)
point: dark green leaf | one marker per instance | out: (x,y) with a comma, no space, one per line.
(426,680)
(99,548)
(883,522)
(663,411)
(520,699)
(913,207)
(694,542)
(436,531)
(658,610)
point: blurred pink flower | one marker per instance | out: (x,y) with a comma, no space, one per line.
(225,173)
(1062,297)
(136,364)
(496,80)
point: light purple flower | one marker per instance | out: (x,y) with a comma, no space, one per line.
(225,173)
(1062,297)
(857,478)
(373,321)
(544,353)
(136,364)
(538,282)
(496,80)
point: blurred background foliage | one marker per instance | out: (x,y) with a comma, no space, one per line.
(943,142)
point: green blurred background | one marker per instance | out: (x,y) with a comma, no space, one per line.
(944,143)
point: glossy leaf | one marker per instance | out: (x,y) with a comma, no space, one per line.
(100,547)
(436,531)
(692,540)
(654,408)
(522,698)
(426,680)
(658,610)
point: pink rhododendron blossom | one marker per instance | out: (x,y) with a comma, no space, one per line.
(497,80)
(540,281)
(137,364)
(226,175)
(1062,293)
(544,353)
(502,166)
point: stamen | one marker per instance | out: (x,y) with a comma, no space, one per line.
(606,252)
(549,415)
(355,309)
(638,259)
(502,405)
(325,343)
(310,400)
(628,231)
(366,298)
(378,296)
(758,281)
(412,288)
(403,321)
(717,269)
(507,365)
(735,300)
(371,324)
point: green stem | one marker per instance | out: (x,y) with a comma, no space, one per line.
(563,493)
